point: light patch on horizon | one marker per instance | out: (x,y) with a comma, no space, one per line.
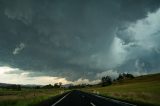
(17,76)
(85,81)
(19,48)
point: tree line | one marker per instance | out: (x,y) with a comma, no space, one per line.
(107,80)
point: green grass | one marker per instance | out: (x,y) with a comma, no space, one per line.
(144,90)
(26,97)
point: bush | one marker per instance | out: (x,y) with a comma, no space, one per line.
(125,76)
(14,87)
(48,86)
(105,81)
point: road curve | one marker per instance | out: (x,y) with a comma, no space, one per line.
(79,98)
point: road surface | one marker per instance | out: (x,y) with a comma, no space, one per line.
(79,98)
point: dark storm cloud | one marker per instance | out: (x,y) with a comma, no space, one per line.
(63,37)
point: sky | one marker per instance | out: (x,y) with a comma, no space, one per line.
(77,41)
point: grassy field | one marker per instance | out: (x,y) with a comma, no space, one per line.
(144,90)
(26,97)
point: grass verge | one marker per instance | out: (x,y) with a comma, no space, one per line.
(27,97)
(143,90)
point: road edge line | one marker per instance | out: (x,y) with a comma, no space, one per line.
(60,99)
(114,100)
(92,104)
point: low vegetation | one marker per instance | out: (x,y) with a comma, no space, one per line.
(143,90)
(26,96)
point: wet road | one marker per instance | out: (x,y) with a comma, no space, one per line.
(79,98)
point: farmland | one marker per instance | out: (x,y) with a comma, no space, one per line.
(142,90)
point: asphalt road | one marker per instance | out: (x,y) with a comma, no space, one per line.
(79,98)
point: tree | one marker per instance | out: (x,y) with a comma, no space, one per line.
(19,87)
(129,76)
(60,84)
(14,87)
(56,85)
(48,86)
(37,87)
(105,81)
(125,76)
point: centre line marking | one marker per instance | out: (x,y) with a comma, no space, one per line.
(92,104)
(60,99)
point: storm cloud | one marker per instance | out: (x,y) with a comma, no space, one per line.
(77,39)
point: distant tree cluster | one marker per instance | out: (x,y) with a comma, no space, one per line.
(49,86)
(107,80)
(56,85)
(124,76)
(14,87)
(37,87)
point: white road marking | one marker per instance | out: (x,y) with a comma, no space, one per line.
(60,100)
(92,104)
(117,101)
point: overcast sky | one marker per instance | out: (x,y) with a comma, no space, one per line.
(74,41)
